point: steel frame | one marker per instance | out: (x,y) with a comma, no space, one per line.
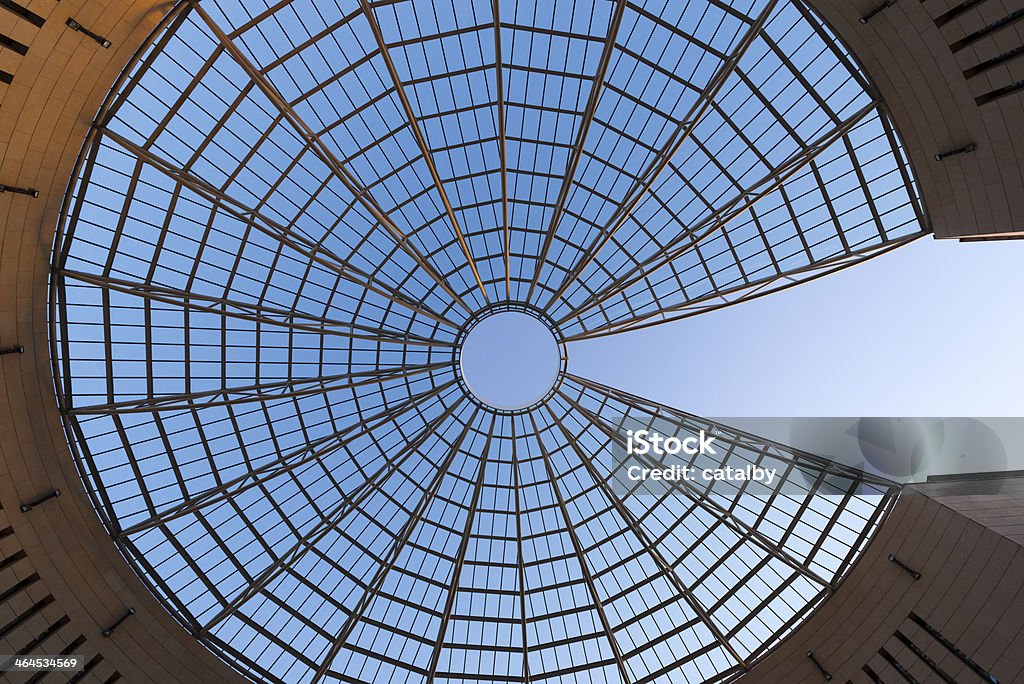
(256,327)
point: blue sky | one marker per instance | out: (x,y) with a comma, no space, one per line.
(931,329)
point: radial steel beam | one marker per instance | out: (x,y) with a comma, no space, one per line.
(596,89)
(499,84)
(460,558)
(637,530)
(291,388)
(724,515)
(292,239)
(421,141)
(317,145)
(519,552)
(731,521)
(721,217)
(660,162)
(372,589)
(588,579)
(259,314)
(310,452)
(746,292)
(742,438)
(330,521)
(144,57)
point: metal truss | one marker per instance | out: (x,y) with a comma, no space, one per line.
(284,222)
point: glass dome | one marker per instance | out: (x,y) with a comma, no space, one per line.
(284,224)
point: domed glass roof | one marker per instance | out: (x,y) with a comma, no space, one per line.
(289,216)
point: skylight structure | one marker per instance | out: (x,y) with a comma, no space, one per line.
(290,215)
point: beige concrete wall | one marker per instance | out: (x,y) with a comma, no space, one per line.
(45,113)
(971,590)
(912,52)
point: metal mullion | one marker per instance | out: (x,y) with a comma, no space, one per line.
(666,568)
(714,158)
(375,654)
(799,77)
(133,462)
(234,504)
(254,151)
(166,442)
(316,590)
(155,43)
(192,564)
(108,344)
(547,143)
(283,464)
(247,664)
(118,229)
(211,530)
(709,504)
(174,108)
(658,165)
(758,288)
(450,74)
(834,46)
(499,85)
(826,532)
(425,38)
(261,629)
(373,588)
(299,616)
(327,155)
(654,676)
(254,313)
(796,222)
(421,140)
(621,246)
(553,32)
(334,78)
(753,442)
(255,392)
(259,18)
(70,214)
(465,109)
(769,106)
(864,187)
(297,50)
(769,599)
(764,240)
(144,568)
(679,32)
(587,118)
(880,512)
(920,210)
(664,636)
(349,501)
(521,570)
(584,568)
(270,228)
(725,214)
(662,71)
(460,557)
(374,143)
(291,472)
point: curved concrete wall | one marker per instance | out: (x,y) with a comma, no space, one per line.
(60,574)
(951,73)
(965,541)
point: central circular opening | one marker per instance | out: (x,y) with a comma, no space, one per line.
(509,360)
